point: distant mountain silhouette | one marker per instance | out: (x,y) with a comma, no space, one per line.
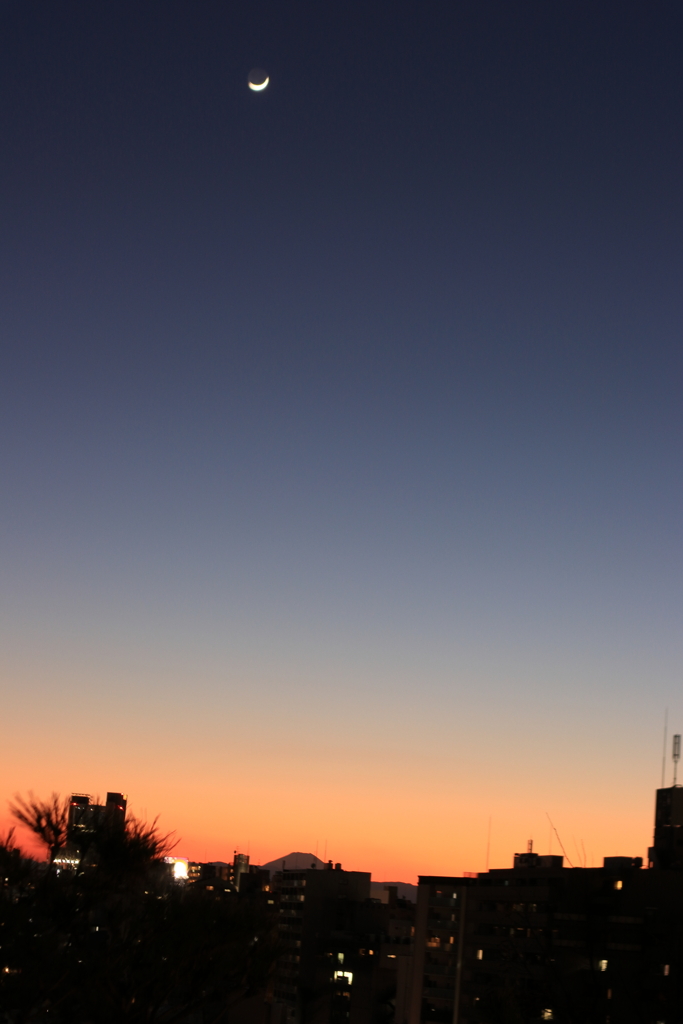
(294,862)
(406,891)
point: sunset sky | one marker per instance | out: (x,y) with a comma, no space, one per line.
(341,423)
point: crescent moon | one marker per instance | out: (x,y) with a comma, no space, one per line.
(259,88)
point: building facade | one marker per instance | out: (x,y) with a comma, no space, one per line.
(85,816)
(540,941)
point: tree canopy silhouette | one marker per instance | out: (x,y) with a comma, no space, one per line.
(115,939)
(47,819)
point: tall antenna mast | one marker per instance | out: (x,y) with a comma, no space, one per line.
(666,722)
(676,754)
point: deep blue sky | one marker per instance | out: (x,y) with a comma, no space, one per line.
(355,401)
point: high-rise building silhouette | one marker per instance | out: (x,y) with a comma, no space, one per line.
(667,851)
(85,816)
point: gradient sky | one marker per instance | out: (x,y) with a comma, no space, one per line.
(341,423)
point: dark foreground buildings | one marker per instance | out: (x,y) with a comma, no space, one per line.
(543,942)
(538,941)
(344,954)
(534,942)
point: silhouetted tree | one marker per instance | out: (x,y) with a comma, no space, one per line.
(118,941)
(14,867)
(47,819)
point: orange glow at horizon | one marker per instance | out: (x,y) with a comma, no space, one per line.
(395,836)
(373,785)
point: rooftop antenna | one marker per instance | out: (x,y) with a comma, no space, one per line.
(676,754)
(666,722)
(558,838)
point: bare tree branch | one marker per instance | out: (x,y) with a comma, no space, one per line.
(46,819)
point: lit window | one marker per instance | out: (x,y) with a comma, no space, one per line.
(346,976)
(602,964)
(665,970)
(547,1015)
(340,958)
(391,956)
(618,885)
(480,954)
